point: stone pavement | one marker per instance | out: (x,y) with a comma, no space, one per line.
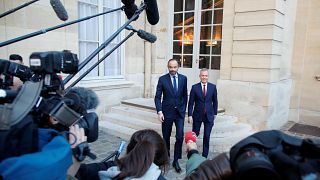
(107,144)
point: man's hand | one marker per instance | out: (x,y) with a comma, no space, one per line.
(190,120)
(160,117)
(77,133)
(75,138)
(190,146)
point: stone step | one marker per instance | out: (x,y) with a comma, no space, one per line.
(148,104)
(117,130)
(125,133)
(131,122)
(142,114)
(135,113)
(219,130)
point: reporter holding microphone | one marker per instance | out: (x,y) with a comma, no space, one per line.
(198,167)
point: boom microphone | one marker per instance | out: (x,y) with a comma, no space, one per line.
(59,9)
(143,34)
(152,11)
(147,36)
(129,8)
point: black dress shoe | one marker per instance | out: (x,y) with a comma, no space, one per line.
(176,166)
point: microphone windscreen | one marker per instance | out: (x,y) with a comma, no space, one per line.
(190,136)
(129,8)
(88,97)
(152,11)
(147,36)
(59,9)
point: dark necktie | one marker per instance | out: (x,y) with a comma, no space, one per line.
(175,84)
(204,95)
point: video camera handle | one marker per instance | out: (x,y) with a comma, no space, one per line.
(114,35)
(43,31)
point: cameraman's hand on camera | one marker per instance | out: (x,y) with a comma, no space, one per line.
(76,137)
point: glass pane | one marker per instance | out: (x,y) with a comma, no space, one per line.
(215,62)
(205,47)
(112,62)
(188,18)
(206,17)
(89,49)
(204,62)
(207,4)
(216,47)
(178,4)
(205,33)
(217,32)
(92,24)
(177,33)
(94,2)
(188,34)
(187,61)
(177,48)
(111,24)
(178,58)
(187,48)
(217,19)
(189,5)
(178,19)
(218,3)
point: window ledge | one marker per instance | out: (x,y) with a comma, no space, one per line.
(106,84)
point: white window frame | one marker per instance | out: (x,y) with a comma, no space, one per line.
(102,77)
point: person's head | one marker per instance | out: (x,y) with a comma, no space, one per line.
(145,147)
(173,66)
(203,75)
(16,57)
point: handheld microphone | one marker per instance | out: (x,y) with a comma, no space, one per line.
(190,136)
(129,8)
(143,34)
(152,11)
(59,9)
(120,149)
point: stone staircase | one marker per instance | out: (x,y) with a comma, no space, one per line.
(140,113)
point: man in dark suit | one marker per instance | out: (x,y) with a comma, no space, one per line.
(202,108)
(172,109)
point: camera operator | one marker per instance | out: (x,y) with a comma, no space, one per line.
(15,82)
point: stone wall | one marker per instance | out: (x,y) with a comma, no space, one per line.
(255,79)
(305,103)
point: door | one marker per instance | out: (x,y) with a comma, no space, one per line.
(196,37)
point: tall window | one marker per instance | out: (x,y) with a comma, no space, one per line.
(95,31)
(197,32)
